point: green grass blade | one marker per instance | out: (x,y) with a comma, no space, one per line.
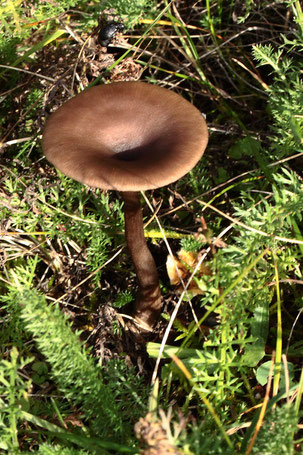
(49,39)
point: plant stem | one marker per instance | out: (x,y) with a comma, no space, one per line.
(148,303)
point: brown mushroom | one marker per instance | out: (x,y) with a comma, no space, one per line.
(130,137)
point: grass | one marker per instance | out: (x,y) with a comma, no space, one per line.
(221,374)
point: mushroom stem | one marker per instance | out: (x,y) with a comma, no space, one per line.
(148,303)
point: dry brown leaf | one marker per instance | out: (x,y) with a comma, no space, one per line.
(153,436)
(181,269)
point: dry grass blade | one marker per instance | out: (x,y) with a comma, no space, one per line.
(264,406)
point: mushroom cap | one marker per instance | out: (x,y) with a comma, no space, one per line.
(126,136)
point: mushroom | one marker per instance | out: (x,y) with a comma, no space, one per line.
(129,137)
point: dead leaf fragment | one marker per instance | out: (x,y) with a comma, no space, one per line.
(180,269)
(152,435)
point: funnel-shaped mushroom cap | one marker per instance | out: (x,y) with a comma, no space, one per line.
(126,136)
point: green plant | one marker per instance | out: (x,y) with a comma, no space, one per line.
(48,449)
(283,419)
(73,370)
(285,96)
(191,244)
(76,374)
(13,397)
(122,299)
(131,11)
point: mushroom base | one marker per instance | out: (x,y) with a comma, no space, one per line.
(148,302)
(148,306)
